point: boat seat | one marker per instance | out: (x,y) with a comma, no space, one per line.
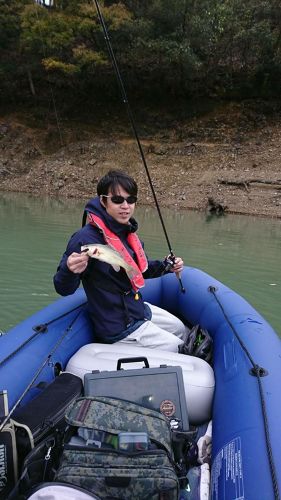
(198,375)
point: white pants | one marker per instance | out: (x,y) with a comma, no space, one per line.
(164,331)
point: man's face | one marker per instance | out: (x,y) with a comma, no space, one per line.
(120,212)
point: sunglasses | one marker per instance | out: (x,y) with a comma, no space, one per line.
(118,200)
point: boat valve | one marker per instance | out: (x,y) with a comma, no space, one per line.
(258,371)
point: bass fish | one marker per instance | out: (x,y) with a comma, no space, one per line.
(106,254)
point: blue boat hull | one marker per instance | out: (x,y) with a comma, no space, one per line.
(246,446)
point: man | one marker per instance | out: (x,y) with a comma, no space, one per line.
(115,304)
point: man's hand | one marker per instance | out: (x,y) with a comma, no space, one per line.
(177,266)
(77,262)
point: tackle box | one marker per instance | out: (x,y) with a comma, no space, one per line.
(159,389)
(198,375)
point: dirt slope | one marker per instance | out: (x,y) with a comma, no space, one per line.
(232,155)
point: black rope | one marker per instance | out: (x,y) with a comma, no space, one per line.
(133,125)
(258,372)
(47,359)
(38,329)
(3,361)
(61,316)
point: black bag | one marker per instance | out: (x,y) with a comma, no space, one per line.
(121,450)
(39,465)
(8,459)
(46,412)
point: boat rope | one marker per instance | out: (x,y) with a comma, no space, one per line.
(259,372)
(133,125)
(38,329)
(40,369)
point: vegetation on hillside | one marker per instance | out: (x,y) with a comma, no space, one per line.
(165,48)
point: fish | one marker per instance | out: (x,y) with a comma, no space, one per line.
(107,254)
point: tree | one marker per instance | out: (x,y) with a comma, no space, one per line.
(183,47)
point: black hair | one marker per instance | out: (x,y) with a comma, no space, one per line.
(115,178)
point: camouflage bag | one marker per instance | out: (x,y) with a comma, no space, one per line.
(118,449)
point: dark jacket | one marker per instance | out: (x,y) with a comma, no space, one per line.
(112,304)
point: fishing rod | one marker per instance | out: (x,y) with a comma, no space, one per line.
(133,125)
(48,78)
(41,367)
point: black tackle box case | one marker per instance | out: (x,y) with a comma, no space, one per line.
(46,412)
(160,389)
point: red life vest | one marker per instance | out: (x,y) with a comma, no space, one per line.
(135,275)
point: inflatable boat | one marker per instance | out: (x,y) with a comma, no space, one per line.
(240,392)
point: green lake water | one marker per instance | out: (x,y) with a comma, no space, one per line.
(242,252)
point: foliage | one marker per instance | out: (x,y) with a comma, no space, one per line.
(163,47)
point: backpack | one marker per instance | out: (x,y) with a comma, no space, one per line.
(118,449)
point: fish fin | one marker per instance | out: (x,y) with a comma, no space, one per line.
(116,268)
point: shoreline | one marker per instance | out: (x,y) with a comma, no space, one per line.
(189,163)
(272,216)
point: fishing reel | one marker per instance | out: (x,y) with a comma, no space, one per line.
(168,263)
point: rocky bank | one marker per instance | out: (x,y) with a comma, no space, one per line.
(231,155)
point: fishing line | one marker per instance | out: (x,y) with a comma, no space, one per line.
(49,81)
(133,125)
